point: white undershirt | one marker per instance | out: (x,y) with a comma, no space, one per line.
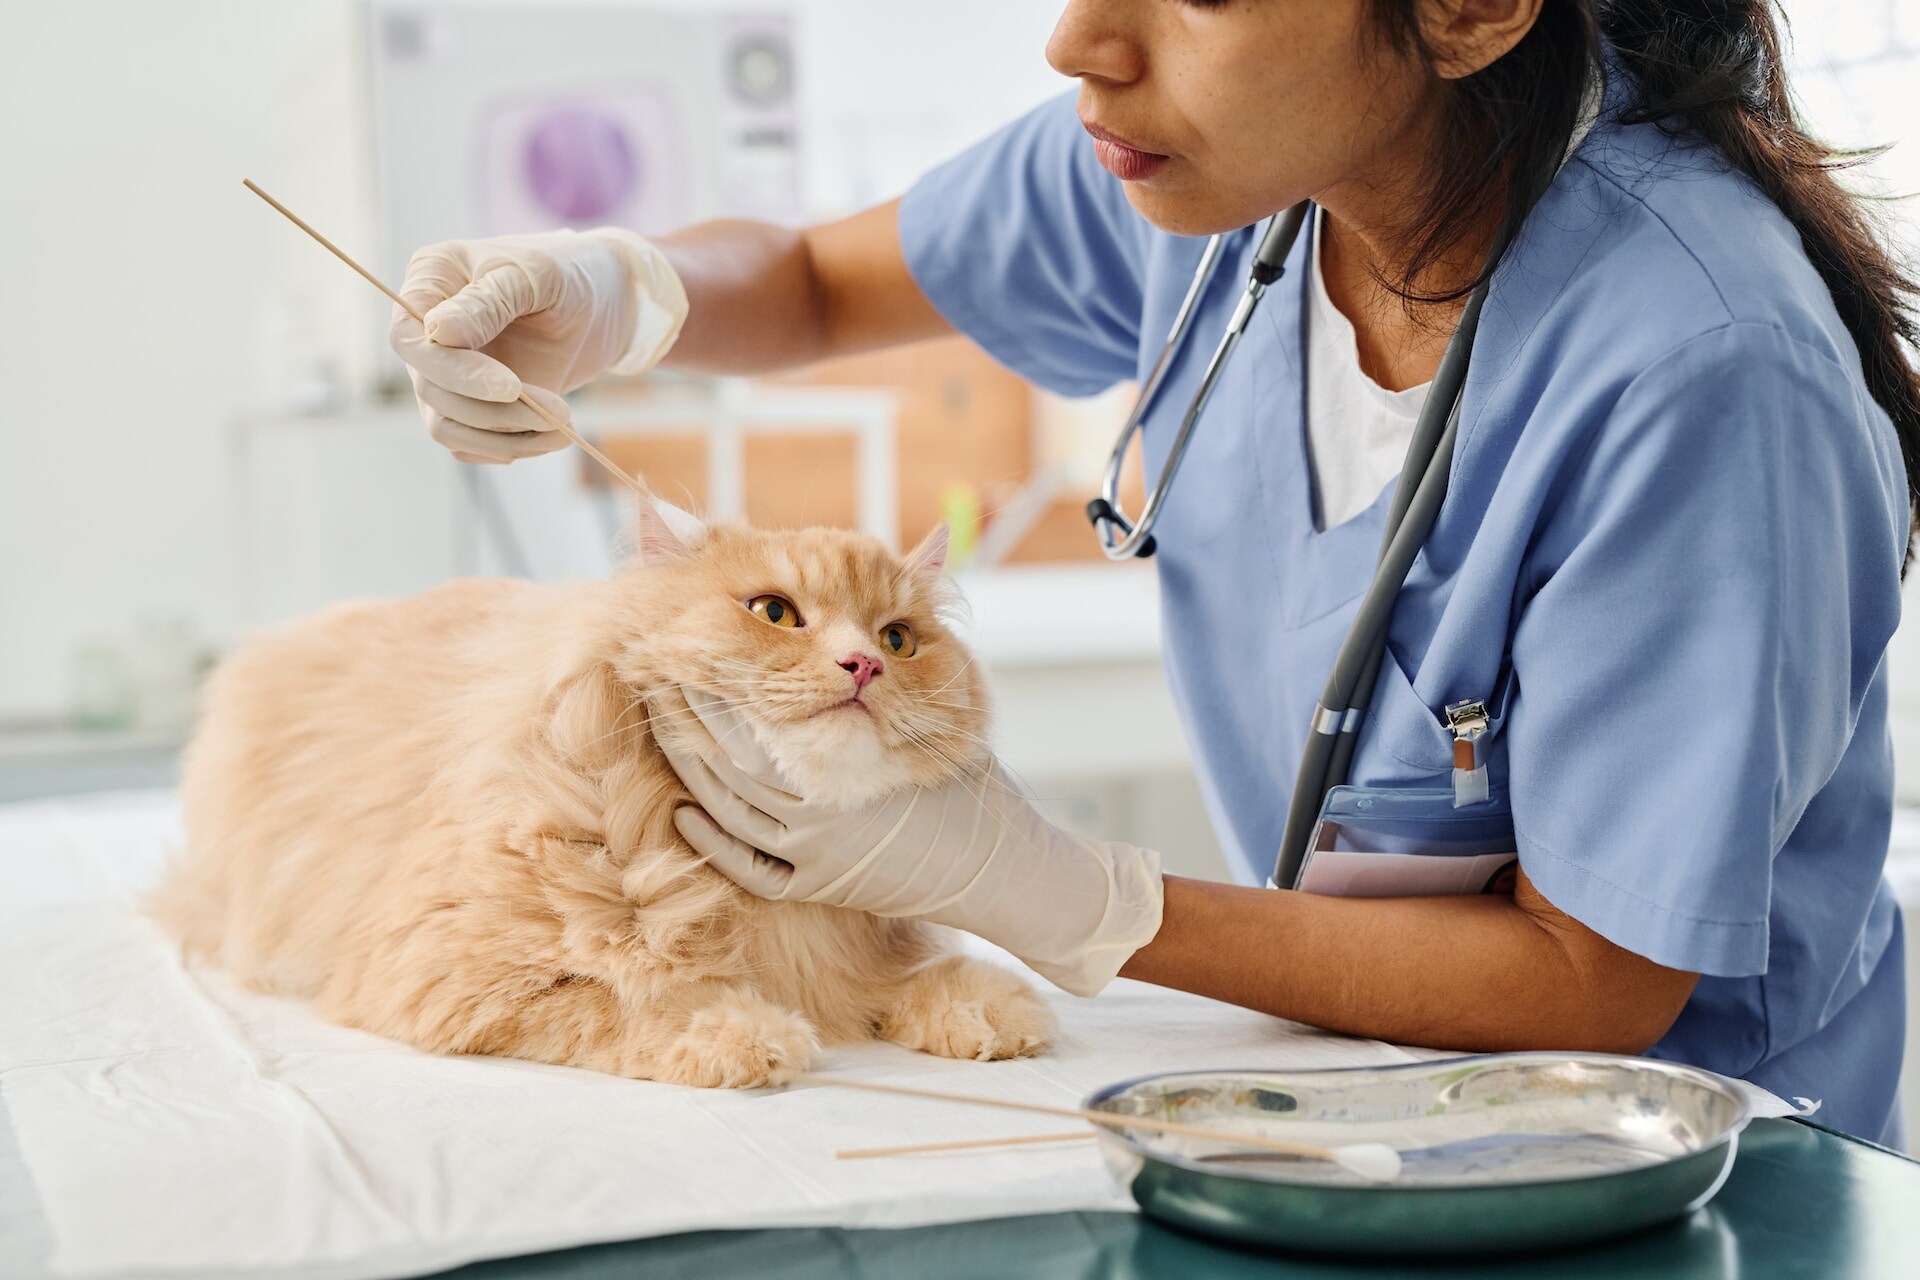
(1357,430)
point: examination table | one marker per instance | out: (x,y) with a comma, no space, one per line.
(159,1122)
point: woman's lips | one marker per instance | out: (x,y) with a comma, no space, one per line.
(1121,158)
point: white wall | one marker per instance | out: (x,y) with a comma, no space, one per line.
(138,274)
(127,289)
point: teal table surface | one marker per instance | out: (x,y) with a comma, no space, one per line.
(1801,1201)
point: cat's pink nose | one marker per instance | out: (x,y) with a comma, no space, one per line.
(863,667)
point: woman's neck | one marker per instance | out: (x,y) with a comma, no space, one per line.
(1364,250)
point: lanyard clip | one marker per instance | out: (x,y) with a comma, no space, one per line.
(1468,720)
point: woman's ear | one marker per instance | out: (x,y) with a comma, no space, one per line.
(930,557)
(1468,36)
(663,532)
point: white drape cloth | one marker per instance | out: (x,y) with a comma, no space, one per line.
(171,1124)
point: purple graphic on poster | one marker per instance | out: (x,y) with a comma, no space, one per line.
(579,163)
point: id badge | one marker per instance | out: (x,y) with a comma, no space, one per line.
(1410,842)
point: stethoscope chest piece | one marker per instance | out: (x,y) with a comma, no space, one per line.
(1101,514)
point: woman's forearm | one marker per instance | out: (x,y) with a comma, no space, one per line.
(1476,973)
(763,297)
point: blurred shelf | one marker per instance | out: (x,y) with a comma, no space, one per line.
(1062,615)
(47,761)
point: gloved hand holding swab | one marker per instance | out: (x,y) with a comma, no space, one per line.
(539,410)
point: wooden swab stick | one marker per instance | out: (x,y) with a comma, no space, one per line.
(1374,1161)
(923,1148)
(539,411)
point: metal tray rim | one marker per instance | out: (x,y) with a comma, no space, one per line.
(1742,1117)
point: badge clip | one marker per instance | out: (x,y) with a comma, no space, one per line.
(1468,720)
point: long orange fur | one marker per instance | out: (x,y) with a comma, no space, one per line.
(445,819)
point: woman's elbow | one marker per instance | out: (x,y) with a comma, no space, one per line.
(1612,1000)
(1622,1002)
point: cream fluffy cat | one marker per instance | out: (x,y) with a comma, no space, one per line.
(445,819)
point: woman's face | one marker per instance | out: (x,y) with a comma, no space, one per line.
(1217,113)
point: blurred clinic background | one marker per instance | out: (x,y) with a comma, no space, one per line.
(205,434)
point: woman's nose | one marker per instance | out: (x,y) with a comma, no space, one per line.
(1091,41)
(863,667)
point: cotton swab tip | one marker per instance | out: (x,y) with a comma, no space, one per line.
(1374,1161)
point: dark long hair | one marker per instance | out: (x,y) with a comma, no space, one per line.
(1708,67)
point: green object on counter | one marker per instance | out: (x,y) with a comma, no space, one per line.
(960,508)
(1801,1201)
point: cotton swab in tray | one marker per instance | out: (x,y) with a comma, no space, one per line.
(539,411)
(1372,1161)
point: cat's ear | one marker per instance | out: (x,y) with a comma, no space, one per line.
(663,532)
(930,557)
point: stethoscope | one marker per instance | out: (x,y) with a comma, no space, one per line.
(1416,503)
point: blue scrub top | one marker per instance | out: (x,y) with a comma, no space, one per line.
(1669,562)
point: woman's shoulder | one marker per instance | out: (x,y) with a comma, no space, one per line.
(1672,243)
(1667,312)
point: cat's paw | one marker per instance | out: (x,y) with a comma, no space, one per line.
(964,1008)
(740,1042)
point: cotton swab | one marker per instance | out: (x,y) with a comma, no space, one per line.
(1373,1161)
(539,411)
(970,1144)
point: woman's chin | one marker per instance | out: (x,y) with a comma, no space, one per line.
(1180,207)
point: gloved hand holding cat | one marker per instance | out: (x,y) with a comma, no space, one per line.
(972,853)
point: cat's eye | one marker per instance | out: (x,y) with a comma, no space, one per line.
(897,639)
(776,609)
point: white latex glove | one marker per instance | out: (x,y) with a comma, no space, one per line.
(973,854)
(545,313)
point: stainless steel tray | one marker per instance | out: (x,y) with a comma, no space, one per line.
(1500,1152)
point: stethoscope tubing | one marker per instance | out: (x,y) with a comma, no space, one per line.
(1417,498)
(1424,474)
(1349,688)
(1422,452)
(1416,504)
(1106,516)
(1136,535)
(1328,752)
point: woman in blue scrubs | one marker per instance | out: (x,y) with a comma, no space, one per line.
(1668,563)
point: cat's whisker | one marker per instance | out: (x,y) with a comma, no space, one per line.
(985,782)
(950,730)
(676,713)
(624,725)
(964,774)
(964,668)
(941,702)
(668,717)
(731,729)
(911,716)
(968,735)
(722,662)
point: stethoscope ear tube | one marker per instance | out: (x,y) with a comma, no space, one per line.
(1349,688)
(1362,699)
(1416,505)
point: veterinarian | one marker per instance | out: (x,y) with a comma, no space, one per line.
(1644,637)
